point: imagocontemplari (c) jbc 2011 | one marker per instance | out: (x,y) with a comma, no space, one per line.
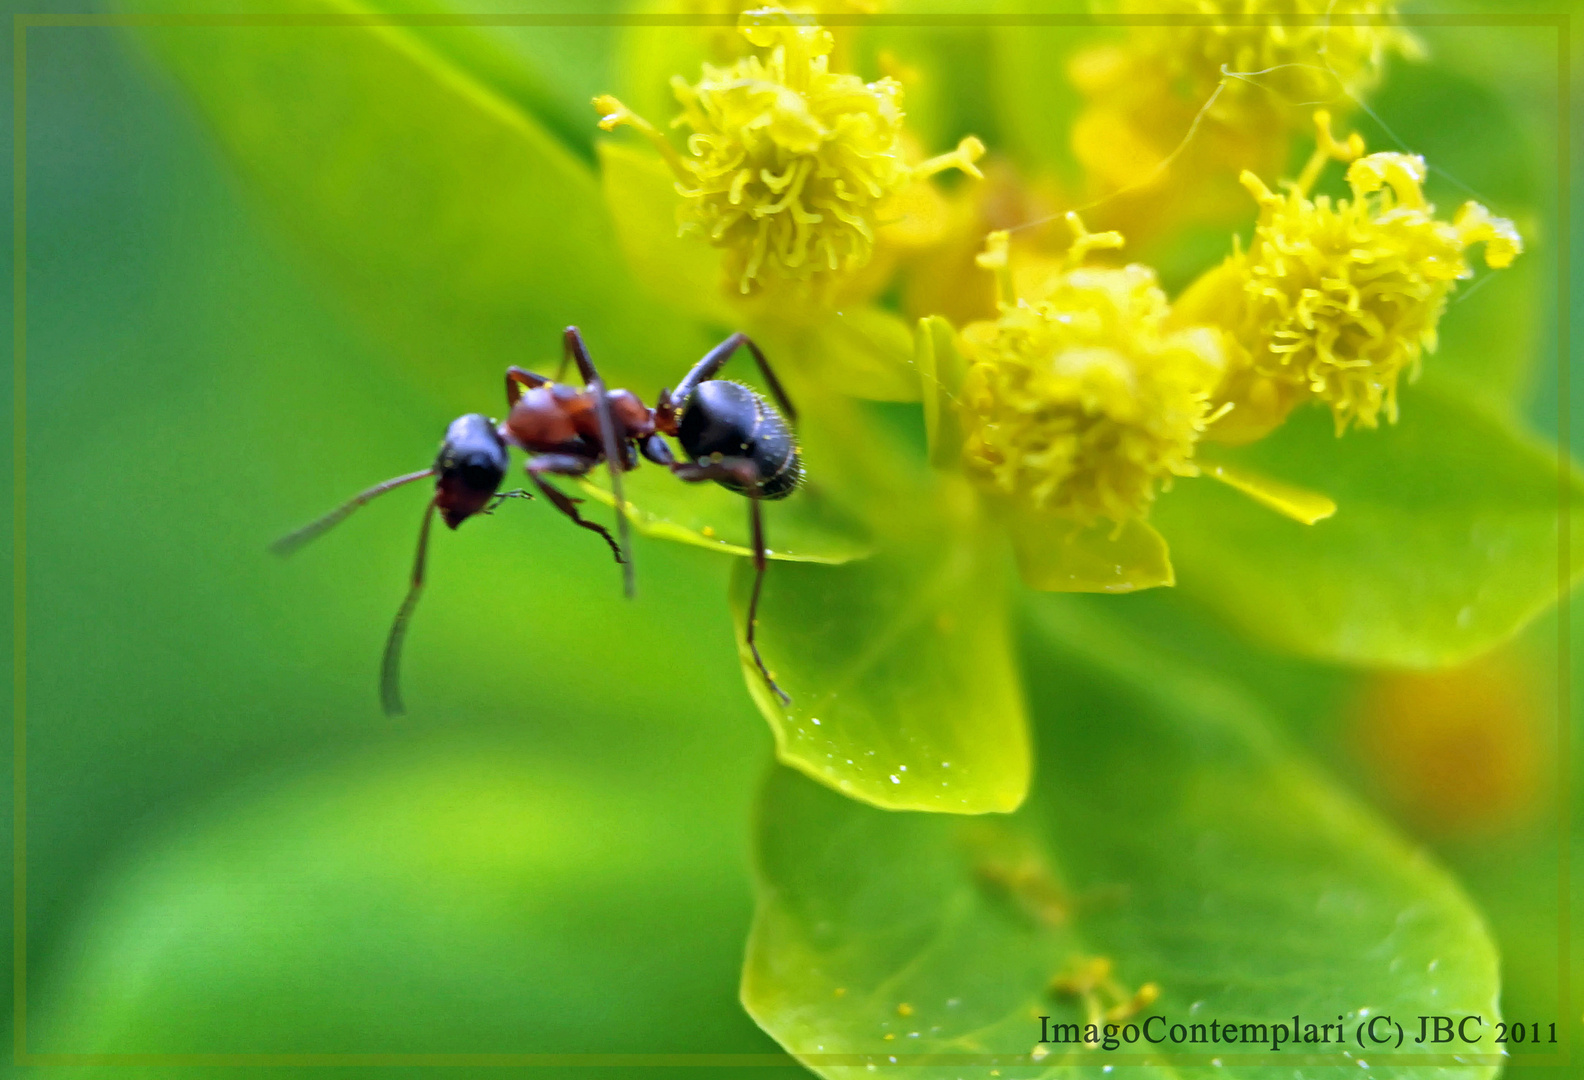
(730,434)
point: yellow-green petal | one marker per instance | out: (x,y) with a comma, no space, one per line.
(1057,554)
(1295,502)
(940,367)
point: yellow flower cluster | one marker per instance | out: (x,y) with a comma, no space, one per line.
(1084,401)
(1333,302)
(1144,93)
(1085,398)
(1306,51)
(722,38)
(788,164)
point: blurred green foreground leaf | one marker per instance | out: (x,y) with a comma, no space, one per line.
(455,896)
(1167,832)
(452,219)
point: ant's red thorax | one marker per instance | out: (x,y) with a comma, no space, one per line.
(557,417)
(542,419)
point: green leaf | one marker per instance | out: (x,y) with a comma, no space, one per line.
(905,692)
(1489,339)
(1058,555)
(456,223)
(548,71)
(1445,540)
(1168,833)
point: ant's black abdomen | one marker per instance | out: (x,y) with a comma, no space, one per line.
(470,467)
(730,420)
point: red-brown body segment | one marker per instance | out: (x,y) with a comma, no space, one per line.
(544,419)
(559,419)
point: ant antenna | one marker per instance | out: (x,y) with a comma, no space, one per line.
(613,461)
(291,542)
(390,665)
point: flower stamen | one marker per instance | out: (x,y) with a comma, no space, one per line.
(1327,149)
(613,114)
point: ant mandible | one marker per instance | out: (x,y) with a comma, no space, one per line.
(729,433)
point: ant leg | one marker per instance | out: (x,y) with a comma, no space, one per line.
(657,450)
(610,442)
(741,470)
(390,664)
(501,496)
(716,359)
(574,349)
(568,465)
(761,559)
(518,380)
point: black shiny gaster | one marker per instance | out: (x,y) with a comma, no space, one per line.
(730,420)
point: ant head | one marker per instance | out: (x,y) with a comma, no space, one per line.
(470,467)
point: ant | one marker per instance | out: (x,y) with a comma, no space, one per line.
(729,433)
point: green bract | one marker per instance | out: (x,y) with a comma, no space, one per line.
(1176,838)
(1444,543)
(904,689)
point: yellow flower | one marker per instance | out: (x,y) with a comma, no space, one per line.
(788,165)
(1335,302)
(1305,50)
(1084,401)
(723,40)
(1146,93)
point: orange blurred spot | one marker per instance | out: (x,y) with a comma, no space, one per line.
(1458,751)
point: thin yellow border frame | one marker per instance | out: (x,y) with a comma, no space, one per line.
(21,23)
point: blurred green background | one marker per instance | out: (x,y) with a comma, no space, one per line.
(230,850)
(211,783)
